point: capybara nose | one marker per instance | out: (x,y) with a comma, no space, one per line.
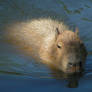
(74,68)
(77,68)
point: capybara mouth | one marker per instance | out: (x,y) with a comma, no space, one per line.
(74,70)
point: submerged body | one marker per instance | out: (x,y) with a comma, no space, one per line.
(50,41)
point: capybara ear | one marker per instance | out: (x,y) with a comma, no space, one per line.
(77,31)
(57,31)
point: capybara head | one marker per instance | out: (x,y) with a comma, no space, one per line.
(68,53)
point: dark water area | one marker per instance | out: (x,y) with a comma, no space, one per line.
(17,73)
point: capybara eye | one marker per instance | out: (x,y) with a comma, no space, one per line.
(59,45)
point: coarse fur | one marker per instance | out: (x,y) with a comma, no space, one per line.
(50,41)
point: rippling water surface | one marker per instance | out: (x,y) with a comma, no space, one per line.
(17,71)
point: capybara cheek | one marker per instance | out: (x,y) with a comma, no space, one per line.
(63,66)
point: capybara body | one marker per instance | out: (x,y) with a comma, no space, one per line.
(50,41)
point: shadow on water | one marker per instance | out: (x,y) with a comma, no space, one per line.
(72,79)
(12,11)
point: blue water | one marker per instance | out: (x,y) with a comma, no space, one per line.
(17,73)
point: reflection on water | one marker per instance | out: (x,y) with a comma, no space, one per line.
(72,79)
(86,19)
(76,11)
(14,63)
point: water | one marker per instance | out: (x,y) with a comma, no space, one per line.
(17,71)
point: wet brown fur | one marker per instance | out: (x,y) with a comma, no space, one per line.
(40,38)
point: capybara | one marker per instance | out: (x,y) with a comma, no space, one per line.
(51,41)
